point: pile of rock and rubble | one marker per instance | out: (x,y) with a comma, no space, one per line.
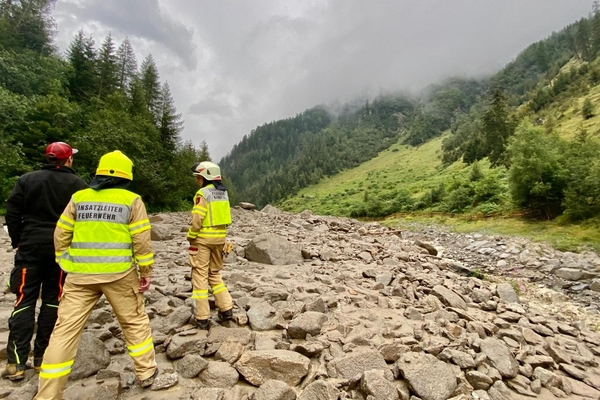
(332,308)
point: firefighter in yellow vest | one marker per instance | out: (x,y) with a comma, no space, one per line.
(210,216)
(101,236)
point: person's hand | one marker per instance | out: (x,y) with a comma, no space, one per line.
(189,239)
(144,284)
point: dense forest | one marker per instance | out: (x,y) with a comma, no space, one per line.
(502,126)
(96,98)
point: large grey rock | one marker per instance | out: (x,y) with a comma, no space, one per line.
(499,391)
(263,317)
(247,206)
(374,383)
(430,248)
(92,356)
(428,377)
(219,374)
(309,322)
(176,319)
(182,344)
(229,351)
(108,390)
(547,378)
(570,274)
(320,390)
(159,232)
(26,392)
(460,358)
(165,381)
(479,380)
(257,367)
(448,297)
(274,390)
(353,364)
(507,293)
(219,334)
(500,357)
(190,365)
(271,249)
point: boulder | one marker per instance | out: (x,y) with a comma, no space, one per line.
(309,322)
(507,293)
(355,364)
(272,249)
(219,374)
(159,233)
(428,377)
(374,383)
(263,317)
(448,297)
(247,206)
(257,367)
(182,344)
(92,356)
(191,365)
(274,390)
(500,357)
(320,390)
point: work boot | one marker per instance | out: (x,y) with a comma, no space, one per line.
(202,324)
(14,372)
(149,381)
(226,315)
(37,363)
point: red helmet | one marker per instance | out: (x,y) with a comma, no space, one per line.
(59,151)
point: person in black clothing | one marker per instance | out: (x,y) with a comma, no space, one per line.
(32,210)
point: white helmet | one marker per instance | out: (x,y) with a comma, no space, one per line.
(208,170)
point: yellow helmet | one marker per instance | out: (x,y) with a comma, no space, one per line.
(115,164)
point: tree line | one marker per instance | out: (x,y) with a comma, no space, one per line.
(96,98)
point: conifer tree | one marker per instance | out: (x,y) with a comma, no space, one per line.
(27,24)
(126,65)
(583,40)
(137,97)
(497,128)
(170,122)
(107,67)
(595,29)
(203,153)
(82,57)
(151,85)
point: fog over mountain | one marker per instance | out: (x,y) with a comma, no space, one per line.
(234,65)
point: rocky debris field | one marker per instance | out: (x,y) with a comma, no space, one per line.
(331,308)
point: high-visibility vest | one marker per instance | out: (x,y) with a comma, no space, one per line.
(217,213)
(102,242)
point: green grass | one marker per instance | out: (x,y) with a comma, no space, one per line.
(401,166)
(564,237)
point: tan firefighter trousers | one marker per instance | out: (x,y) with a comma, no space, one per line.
(74,309)
(207,261)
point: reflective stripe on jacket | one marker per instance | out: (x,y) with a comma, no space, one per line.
(215,216)
(102,233)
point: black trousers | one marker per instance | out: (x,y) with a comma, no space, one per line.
(27,281)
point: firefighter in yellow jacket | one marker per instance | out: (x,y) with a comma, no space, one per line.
(210,216)
(102,234)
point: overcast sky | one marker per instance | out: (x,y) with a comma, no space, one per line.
(233,65)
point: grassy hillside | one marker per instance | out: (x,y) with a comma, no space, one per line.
(414,169)
(419,171)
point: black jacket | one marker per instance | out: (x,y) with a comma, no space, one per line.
(35,205)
